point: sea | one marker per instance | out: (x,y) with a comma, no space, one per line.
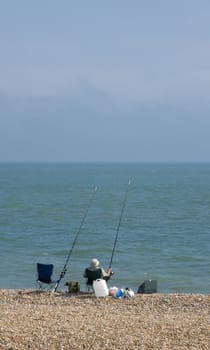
(148,221)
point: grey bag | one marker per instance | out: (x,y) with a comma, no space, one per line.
(148,287)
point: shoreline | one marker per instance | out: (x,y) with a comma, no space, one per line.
(30,319)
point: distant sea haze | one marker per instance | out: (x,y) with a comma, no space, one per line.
(163,232)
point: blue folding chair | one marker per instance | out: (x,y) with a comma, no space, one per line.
(44,272)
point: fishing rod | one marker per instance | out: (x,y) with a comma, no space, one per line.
(118,228)
(74,242)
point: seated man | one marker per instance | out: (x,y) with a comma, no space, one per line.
(94,272)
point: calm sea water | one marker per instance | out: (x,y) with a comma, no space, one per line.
(164,233)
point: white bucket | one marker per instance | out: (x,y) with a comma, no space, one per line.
(100,288)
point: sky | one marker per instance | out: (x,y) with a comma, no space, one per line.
(104,81)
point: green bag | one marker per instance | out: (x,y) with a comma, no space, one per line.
(73,287)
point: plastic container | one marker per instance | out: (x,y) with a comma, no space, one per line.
(100,288)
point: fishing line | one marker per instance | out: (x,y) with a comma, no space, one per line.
(74,242)
(118,228)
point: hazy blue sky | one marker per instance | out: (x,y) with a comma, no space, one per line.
(106,80)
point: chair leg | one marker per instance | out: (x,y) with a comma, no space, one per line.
(90,288)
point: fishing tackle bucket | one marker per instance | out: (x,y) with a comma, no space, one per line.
(100,288)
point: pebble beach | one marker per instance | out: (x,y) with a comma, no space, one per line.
(35,320)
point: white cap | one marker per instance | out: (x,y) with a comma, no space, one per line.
(94,263)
